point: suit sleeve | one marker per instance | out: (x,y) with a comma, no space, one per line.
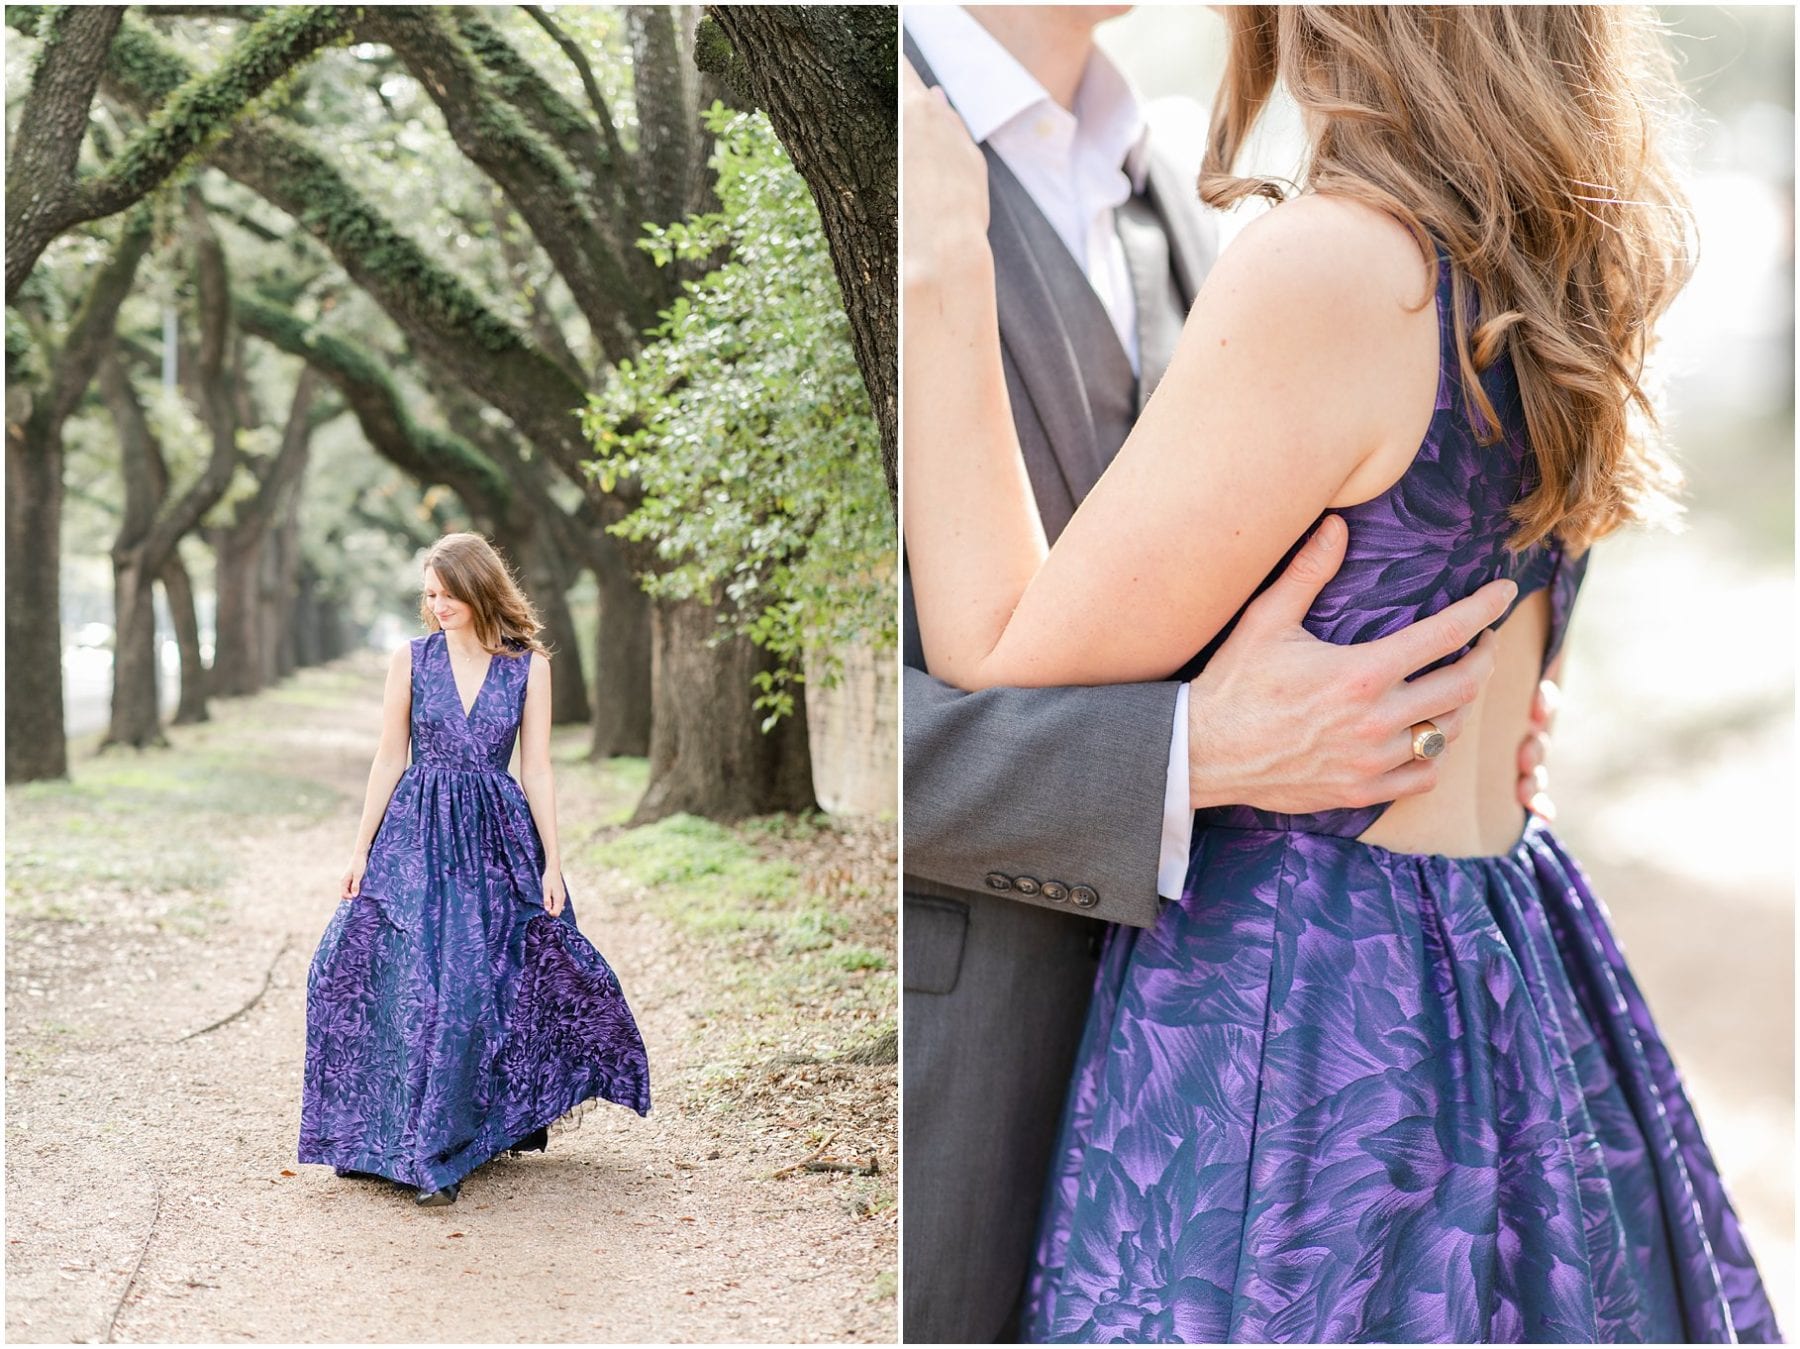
(1047,796)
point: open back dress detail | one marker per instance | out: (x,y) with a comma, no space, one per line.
(448,1015)
(1343,1094)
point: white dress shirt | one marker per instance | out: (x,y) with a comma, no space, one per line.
(1077,168)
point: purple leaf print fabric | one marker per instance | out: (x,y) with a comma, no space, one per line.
(1343,1095)
(447,1014)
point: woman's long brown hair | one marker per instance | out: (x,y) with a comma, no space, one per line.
(1526,141)
(472,571)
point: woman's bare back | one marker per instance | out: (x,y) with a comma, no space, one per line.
(1474,810)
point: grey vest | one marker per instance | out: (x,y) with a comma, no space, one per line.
(1064,364)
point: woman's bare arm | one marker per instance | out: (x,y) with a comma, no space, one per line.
(535,774)
(391,752)
(1301,378)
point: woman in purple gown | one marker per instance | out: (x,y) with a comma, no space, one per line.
(1380,1074)
(453,1008)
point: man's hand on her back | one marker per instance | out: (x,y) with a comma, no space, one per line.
(1284,722)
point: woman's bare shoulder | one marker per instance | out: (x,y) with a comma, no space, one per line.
(1336,258)
(1315,332)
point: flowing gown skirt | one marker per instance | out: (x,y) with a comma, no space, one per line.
(1343,1094)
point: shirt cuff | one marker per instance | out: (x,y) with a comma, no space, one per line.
(1178,816)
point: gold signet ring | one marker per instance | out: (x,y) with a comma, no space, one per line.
(1428,741)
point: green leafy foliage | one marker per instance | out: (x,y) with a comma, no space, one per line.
(747,425)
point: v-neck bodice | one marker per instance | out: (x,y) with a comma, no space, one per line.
(481,739)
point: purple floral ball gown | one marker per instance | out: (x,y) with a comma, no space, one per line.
(1342,1094)
(448,1015)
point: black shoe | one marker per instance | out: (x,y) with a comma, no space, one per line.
(437,1198)
(536,1141)
(359,1175)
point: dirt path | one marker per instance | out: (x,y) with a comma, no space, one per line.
(151,1185)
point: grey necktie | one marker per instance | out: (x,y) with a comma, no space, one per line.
(1160,311)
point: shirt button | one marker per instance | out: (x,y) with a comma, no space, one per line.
(997,881)
(1085,896)
(1025,885)
(1055,891)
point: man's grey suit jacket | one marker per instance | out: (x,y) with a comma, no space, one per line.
(1029,815)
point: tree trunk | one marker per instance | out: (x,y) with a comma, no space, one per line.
(178,589)
(156,521)
(522,540)
(306,619)
(237,611)
(35,746)
(268,609)
(622,665)
(549,588)
(285,653)
(136,709)
(708,755)
(332,638)
(827,77)
(251,585)
(40,175)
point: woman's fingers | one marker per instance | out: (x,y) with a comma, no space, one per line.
(1544,704)
(945,176)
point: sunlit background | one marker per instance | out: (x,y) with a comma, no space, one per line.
(1673,765)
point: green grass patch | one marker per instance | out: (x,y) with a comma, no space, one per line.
(322,687)
(146,824)
(705,879)
(794,969)
(617,784)
(861,958)
(187,780)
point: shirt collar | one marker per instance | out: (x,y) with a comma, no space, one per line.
(984,81)
(990,89)
(1112,118)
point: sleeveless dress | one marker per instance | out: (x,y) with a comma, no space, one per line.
(1342,1094)
(448,1015)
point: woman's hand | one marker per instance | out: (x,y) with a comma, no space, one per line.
(1534,750)
(555,893)
(351,885)
(946,197)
